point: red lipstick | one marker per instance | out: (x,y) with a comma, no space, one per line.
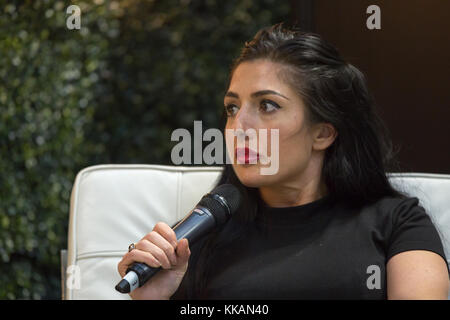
(246,156)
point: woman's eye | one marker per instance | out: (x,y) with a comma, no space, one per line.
(269,106)
(231,109)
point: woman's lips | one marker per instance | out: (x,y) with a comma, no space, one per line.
(246,156)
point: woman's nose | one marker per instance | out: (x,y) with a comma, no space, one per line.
(245,127)
(244,120)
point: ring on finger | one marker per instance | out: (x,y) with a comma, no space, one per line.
(131,247)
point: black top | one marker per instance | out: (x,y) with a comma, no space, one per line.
(320,250)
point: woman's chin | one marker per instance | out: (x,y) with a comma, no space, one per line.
(250,175)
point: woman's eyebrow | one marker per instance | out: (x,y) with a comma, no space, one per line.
(256,94)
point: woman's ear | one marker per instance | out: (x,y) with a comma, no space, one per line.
(324,136)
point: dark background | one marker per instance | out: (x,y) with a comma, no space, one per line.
(407,63)
(114,91)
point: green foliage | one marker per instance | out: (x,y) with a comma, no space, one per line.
(111,92)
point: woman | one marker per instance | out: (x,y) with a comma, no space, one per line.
(327,224)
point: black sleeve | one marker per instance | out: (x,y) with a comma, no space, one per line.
(412,229)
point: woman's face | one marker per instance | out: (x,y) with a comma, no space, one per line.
(258,99)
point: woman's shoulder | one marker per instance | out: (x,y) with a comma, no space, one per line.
(408,225)
(389,202)
(394,207)
(388,214)
(403,211)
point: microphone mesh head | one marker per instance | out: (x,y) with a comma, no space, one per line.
(230,195)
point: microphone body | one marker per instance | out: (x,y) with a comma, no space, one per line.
(212,210)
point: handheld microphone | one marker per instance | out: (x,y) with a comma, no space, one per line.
(213,210)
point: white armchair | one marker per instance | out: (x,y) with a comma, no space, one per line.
(114,205)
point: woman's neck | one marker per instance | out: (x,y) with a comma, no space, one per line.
(292,194)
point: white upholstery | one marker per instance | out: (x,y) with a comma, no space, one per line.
(114,205)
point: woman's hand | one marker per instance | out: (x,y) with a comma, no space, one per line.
(159,248)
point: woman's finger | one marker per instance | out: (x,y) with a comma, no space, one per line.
(137,255)
(159,248)
(166,232)
(183,253)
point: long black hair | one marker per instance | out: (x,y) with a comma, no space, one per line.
(335,92)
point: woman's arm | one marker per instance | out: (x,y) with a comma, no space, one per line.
(417,274)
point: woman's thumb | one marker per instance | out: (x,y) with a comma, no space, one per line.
(183,252)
